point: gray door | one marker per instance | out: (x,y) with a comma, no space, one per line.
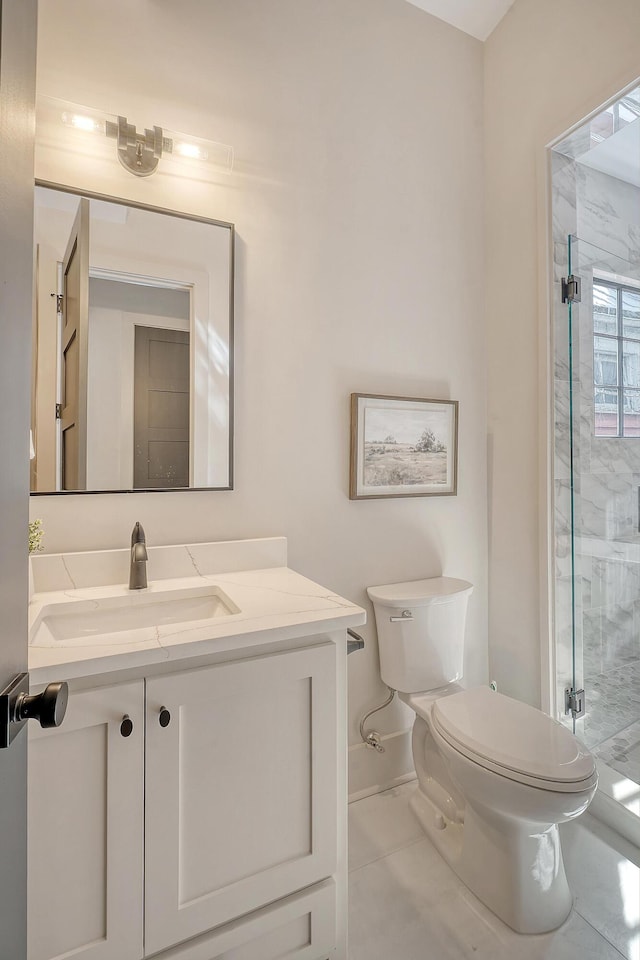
(161,408)
(17,86)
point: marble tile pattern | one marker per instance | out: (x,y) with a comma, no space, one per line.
(605,214)
(613,707)
(405,902)
(575,144)
(268,602)
(97,568)
(622,750)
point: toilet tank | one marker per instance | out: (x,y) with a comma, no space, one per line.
(420,628)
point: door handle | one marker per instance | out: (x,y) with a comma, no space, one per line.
(17,706)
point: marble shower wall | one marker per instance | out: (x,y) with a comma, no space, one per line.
(604,213)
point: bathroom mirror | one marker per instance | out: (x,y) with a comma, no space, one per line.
(132,347)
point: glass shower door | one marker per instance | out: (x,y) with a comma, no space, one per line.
(597,480)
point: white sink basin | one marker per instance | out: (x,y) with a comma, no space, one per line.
(131,618)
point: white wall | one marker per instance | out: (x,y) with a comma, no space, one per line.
(358,199)
(547,65)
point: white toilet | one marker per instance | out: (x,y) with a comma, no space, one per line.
(495,776)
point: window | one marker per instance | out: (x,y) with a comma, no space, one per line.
(616,359)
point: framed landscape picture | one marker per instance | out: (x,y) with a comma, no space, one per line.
(403,447)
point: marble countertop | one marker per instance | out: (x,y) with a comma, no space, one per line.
(275,603)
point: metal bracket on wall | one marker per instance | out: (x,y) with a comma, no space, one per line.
(575,703)
(354,641)
(571,289)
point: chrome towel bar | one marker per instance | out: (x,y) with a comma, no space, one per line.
(354,641)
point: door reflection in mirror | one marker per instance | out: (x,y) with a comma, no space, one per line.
(132,342)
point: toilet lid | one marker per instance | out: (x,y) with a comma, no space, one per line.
(419,593)
(512,735)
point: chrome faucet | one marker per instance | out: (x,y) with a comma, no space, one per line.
(138,568)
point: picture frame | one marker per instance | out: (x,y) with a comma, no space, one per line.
(403,447)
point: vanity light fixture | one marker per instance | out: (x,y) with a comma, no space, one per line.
(139,151)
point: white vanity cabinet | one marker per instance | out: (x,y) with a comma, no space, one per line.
(233,795)
(241,789)
(86,829)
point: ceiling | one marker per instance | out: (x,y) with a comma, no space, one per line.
(477,17)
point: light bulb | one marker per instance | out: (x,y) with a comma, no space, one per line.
(80,122)
(191,151)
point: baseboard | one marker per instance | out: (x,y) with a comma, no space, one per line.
(380,788)
(372,772)
(608,805)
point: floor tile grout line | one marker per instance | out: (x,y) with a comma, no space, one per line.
(622,951)
(601,937)
(600,934)
(390,853)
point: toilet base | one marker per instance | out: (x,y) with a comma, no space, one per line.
(514,867)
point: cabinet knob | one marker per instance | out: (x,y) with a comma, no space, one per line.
(164,717)
(126,727)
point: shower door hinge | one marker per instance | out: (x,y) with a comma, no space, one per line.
(571,289)
(574,703)
(58,411)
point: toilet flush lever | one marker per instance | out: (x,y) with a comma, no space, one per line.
(406,615)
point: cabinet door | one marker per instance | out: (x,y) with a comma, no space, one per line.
(85,817)
(241,789)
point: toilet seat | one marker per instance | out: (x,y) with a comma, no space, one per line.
(510,738)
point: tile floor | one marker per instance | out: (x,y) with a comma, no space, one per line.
(613,697)
(622,752)
(407,904)
(611,727)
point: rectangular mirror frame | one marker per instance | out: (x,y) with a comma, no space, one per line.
(185,216)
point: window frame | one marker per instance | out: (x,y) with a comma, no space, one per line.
(619,339)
